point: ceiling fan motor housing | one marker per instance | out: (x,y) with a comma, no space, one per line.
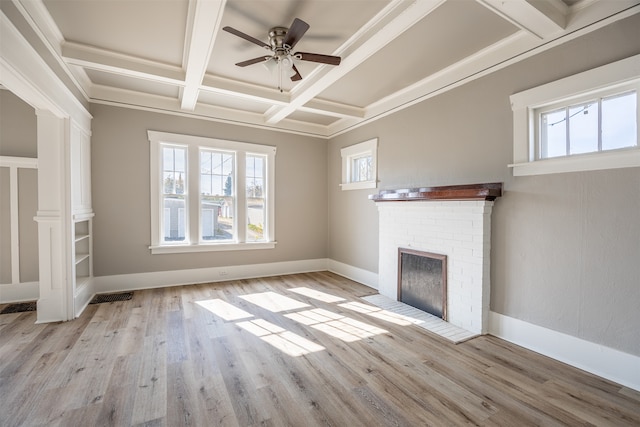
(276,40)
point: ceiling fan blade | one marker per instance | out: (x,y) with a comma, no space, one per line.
(246,37)
(295,32)
(297,76)
(316,57)
(253,61)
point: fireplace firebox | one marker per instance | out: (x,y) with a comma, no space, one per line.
(422,281)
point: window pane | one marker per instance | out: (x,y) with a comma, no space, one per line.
(174,170)
(217,195)
(583,128)
(174,219)
(361,169)
(553,134)
(256,213)
(619,127)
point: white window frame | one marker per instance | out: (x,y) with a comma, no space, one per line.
(620,75)
(192,233)
(362,149)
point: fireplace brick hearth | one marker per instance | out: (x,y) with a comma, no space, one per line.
(454,221)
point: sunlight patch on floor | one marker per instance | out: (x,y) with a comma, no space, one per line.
(223,309)
(318,295)
(379,313)
(274,302)
(285,341)
(336,325)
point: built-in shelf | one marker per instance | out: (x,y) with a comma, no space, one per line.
(450,192)
(82,251)
(81,257)
(81,237)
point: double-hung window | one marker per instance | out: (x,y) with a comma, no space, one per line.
(588,121)
(209,194)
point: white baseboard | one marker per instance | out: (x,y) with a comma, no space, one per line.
(84,295)
(614,365)
(160,279)
(28,291)
(359,275)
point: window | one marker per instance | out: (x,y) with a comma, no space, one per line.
(359,165)
(584,122)
(209,194)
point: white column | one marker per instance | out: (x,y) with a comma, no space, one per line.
(53,211)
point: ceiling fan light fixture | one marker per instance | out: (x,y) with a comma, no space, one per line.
(271,65)
(281,41)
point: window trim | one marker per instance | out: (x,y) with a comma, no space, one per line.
(365,148)
(194,144)
(620,74)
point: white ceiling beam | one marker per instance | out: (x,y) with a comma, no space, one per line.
(244,90)
(117,63)
(542,18)
(272,96)
(332,109)
(169,105)
(204,17)
(405,20)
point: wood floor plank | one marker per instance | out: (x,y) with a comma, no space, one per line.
(151,393)
(299,350)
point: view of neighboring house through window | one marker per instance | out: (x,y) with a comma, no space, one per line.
(209,194)
(174,178)
(255,178)
(217,194)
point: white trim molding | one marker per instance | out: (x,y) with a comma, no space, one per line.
(365,277)
(367,148)
(597,359)
(163,279)
(524,104)
(26,291)
(192,146)
(14,164)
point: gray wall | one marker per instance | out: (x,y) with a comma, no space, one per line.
(18,127)
(120,193)
(18,138)
(565,247)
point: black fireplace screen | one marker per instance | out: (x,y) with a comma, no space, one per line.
(422,281)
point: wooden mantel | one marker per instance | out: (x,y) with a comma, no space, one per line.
(450,192)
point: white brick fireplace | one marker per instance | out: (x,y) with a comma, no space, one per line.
(453,221)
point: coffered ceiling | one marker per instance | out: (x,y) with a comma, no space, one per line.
(172,55)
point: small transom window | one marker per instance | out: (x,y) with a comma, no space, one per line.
(359,165)
(598,124)
(588,121)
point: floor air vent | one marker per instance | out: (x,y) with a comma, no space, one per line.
(19,307)
(122,296)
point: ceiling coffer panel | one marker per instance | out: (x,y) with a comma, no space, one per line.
(426,48)
(331,23)
(153,30)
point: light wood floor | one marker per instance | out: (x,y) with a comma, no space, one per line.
(299,350)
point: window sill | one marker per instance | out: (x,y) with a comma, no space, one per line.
(217,247)
(359,185)
(579,163)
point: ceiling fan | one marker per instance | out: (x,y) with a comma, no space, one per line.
(281,42)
